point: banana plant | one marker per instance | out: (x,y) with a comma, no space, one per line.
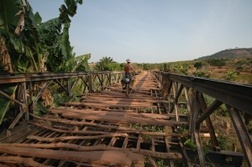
(9,21)
(30,45)
(30,41)
(81,63)
(63,59)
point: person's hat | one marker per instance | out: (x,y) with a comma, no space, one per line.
(128,60)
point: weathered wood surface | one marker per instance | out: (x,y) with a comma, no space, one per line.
(103,129)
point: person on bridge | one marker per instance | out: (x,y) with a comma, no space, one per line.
(128,69)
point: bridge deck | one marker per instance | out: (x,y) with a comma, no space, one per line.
(103,129)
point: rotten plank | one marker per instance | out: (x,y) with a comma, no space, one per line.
(20,161)
(126,113)
(164,155)
(102,104)
(123,119)
(111,157)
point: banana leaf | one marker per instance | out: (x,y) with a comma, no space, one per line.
(8,11)
(69,9)
(82,63)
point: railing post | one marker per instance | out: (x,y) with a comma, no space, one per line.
(110,77)
(195,130)
(242,133)
(102,81)
(90,83)
(70,93)
(25,102)
(166,84)
(23,105)
(30,102)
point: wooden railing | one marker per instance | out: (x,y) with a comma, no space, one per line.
(29,88)
(200,98)
(204,98)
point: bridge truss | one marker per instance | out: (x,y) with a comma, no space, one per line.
(163,123)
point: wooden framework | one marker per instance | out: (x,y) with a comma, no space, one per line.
(105,128)
(31,86)
(195,92)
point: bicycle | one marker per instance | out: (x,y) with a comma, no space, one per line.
(127,82)
(128,88)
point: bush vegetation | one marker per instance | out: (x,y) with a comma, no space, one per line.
(236,68)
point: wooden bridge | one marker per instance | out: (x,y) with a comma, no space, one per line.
(169,120)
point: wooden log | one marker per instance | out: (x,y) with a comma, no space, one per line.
(63,138)
(120,95)
(97,104)
(123,119)
(163,155)
(124,113)
(118,128)
(128,100)
(20,161)
(113,157)
(75,123)
(71,131)
(127,130)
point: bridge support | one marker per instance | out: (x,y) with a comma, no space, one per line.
(204,97)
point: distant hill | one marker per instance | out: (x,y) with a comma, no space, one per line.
(230,54)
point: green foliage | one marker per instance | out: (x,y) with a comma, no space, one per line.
(69,9)
(61,97)
(244,78)
(190,144)
(8,18)
(202,73)
(178,67)
(107,64)
(162,162)
(224,141)
(36,46)
(146,66)
(82,63)
(222,111)
(63,58)
(243,64)
(198,65)
(166,68)
(182,129)
(230,75)
(217,62)
(35,43)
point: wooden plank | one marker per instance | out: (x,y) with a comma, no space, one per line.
(153,144)
(112,141)
(102,104)
(122,119)
(125,142)
(75,147)
(110,98)
(66,138)
(19,161)
(100,117)
(113,157)
(19,133)
(126,113)
(139,140)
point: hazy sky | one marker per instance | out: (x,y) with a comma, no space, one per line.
(154,31)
